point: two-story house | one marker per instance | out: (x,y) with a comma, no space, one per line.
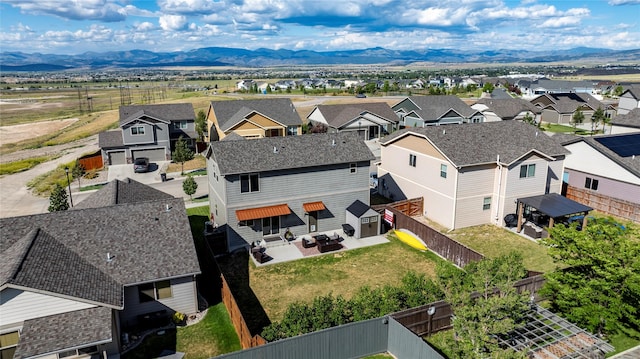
(253,118)
(148,131)
(629,100)
(419,111)
(371,120)
(259,188)
(470,174)
(560,107)
(76,283)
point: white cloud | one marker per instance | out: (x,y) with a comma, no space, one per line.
(172,22)
(558,22)
(101,10)
(144,26)
(624,2)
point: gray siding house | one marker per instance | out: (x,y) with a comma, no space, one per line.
(370,120)
(73,283)
(148,131)
(420,111)
(259,188)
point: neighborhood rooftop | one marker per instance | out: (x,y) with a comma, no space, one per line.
(230,113)
(166,112)
(434,107)
(339,115)
(121,192)
(280,153)
(478,143)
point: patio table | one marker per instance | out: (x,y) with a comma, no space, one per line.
(326,244)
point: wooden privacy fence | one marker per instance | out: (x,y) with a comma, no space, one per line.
(606,204)
(92,161)
(247,340)
(437,242)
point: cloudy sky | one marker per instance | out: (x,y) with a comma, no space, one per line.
(77,26)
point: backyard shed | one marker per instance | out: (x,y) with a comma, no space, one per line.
(363,219)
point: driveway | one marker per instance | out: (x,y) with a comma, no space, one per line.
(122,172)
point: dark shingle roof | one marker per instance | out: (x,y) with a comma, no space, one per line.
(166,112)
(631,163)
(340,115)
(230,113)
(478,143)
(121,192)
(108,139)
(302,151)
(64,331)
(358,208)
(629,119)
(434,107)
(509,108)
(146,241)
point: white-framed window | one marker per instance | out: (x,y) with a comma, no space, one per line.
(137,130)
(373,219)
(153,291)
(77,352)
(8,344)
(249,183)
(528,171)
(180,125)
(486,203)
(591,183)
(443,171)
(292,130)
(353,167)
(364,220)
(412,160)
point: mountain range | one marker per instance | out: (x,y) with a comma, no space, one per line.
(222,56)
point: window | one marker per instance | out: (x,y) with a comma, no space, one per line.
(82,351)
(249,183)
(153,291)
(137,130)
(364,220)
(8,344)
(527,171)
(353,168)
(443,171)
(180,125)
(591,183)
(248,223)
(412,160)
(292,130)
(486,203)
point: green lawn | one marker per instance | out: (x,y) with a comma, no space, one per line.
(23,165)
(622,341)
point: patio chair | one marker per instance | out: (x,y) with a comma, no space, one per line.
(307,243)
(335,236)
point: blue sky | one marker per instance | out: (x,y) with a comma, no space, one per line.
(77,26)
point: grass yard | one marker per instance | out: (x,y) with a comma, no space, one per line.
(279,285)
(493,241)
(23,165)
(197,162)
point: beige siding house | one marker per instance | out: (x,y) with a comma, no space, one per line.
(470,174)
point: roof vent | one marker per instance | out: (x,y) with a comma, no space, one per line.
(444,132)
(110,257)
(333,142)
(275,149)
(536,133)
(167,208)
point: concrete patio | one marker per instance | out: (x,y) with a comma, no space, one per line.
(281,251)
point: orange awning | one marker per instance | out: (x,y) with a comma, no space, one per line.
(262,212)
(313,206)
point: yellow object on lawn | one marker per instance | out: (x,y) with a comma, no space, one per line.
(411,239)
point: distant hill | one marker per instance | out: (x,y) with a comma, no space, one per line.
(222,56)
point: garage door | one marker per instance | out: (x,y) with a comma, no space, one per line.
(117,158)
(155,154)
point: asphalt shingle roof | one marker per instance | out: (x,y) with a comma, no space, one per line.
(629,119)
(434,107)
(478,143)
(64,331)
(358,208)
(340,115)
(121,192)
(303,151)
(110,139)
(230,113)
(631,164)
(166,112)
(509,108)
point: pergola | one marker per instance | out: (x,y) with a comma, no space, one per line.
(548,336)
(553,205)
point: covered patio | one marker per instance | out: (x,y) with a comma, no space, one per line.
(543,211)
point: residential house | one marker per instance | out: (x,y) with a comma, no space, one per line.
(76,283)
(371,120)
(604,172)
(506,109)
(253,118)
(543,86)
(148,131)
(560,107)
(419,111)
(470,174)
(259,188)
(245,85)
(629,122)
(629,100)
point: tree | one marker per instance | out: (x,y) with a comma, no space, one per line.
(78,171)
(58,199)
(488,87)
(485,303)
(598,116)
(530,120)
(578,118)
(189,185)
(600,288)
(182,153)
(618,91)
(386,87)
(201,125)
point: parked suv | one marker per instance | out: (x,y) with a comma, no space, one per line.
(140,165)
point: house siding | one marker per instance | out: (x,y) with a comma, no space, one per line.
(474,184)
(183,300)
(517,187)
(149,136)
(627,103)
(17,306)
(606,186)
(217,193)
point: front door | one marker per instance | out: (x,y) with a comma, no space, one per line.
(313,221)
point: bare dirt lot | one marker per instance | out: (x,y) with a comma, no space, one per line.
(17,133)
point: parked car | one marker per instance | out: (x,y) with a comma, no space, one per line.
(361,95)
(140,165)
(373,180)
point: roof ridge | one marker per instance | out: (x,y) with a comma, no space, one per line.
(19,257)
